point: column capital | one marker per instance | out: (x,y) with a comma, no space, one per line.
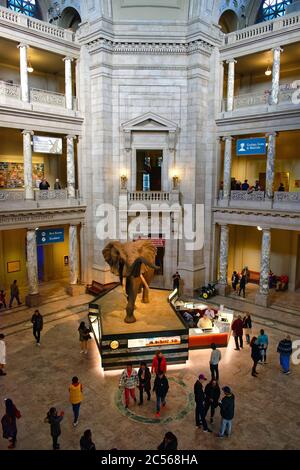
(264,228)
(223,225)
(230,61)
(277,49)
(227,137)
(71,136)
(26,131)
(74,224)
(22,44)
(273,133)
(68,58)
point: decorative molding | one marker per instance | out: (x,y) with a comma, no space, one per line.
(43,216)
(149,47)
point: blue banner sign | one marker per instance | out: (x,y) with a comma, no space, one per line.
(254,146)
(51,235)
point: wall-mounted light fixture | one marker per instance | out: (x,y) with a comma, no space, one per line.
(123,181)
(175,180)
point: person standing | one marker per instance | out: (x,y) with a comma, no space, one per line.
(2,354)
(255,355)
(144,376)
(37,326)
(169,442)
(84,336)
(9,423)
(285,350)
(2,299)
(86,442)
(263,343)
(200,403)
(176,280)
(129,380)
(54,420)
(14,294)
(159,363)
(234,280)
(161,387)
(245,186)
(76,397)
(247,325)
(237,330)
(212,395)
(227,405)
(57,184)
(44,185)
(243,282)
(215,358)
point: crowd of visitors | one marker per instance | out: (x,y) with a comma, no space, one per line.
(237,185)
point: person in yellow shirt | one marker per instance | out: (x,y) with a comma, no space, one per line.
(76,397)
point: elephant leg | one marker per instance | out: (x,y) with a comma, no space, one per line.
(131,289)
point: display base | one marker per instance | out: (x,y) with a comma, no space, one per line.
(33,300)
(223,289)
(262,299)
(75,289)
(155,320)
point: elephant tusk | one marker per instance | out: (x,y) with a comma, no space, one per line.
(144,281)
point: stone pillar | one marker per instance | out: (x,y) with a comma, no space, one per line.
(270,164)
(223,287)
(276,75)
(33,298)
(70,166)
(227,168)
(74,288)
(230,84)
(68,82)
(27,157)
(262,297)
(24,72)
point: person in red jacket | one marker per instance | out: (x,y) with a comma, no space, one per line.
(159,363)
(237,331)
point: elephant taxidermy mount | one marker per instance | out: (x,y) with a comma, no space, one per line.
(136,262)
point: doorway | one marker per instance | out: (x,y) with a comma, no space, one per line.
(149,170)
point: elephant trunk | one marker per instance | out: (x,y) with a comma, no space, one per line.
(135,268)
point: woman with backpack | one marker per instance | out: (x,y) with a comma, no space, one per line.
(54,420)
(84,336)
(9,422)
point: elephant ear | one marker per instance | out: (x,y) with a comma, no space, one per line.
(116,265)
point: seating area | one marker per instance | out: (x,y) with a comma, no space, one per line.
(98,290)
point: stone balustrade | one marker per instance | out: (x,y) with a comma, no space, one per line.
(247,100)
(247,196)
(51,194)
(148,196)
(262,30)
(47,97)
(35,25)
(284,196)
(282,200)
(10,90)
(12,195)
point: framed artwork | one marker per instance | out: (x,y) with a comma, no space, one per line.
(12,174)
(13,266)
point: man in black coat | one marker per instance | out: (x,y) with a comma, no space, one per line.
(212,395)
(200,403)
(144,376)
(227,411)
(161,387)
(37,326)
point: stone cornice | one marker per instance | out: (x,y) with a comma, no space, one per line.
(256,212)
(158,48)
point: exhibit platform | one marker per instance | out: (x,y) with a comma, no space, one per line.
(158,326)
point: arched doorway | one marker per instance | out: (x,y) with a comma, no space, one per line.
(70,19)
(228,21)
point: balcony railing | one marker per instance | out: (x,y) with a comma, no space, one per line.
(12,195)
(47,97)
(246,100)
(10,90)
(247,196)
(51,194)
(41,197)
(149,196)
(33,24)
(282,200)
(283,196)
(261,30)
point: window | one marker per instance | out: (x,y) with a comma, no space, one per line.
(27,7)
(271,9)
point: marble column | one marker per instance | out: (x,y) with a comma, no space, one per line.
(262,297)
(227,167)
(27,157)
(24,72)
(70,166)
(33,298)
(73,254)
(68,82)
(230,84)
(276,75)
(270,164)
(224,245)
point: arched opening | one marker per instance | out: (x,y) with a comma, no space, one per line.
(70,19)
(271,9)
(228,21)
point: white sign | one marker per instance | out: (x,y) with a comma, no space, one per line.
(43,144)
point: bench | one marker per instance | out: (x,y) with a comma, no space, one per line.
(97,289)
